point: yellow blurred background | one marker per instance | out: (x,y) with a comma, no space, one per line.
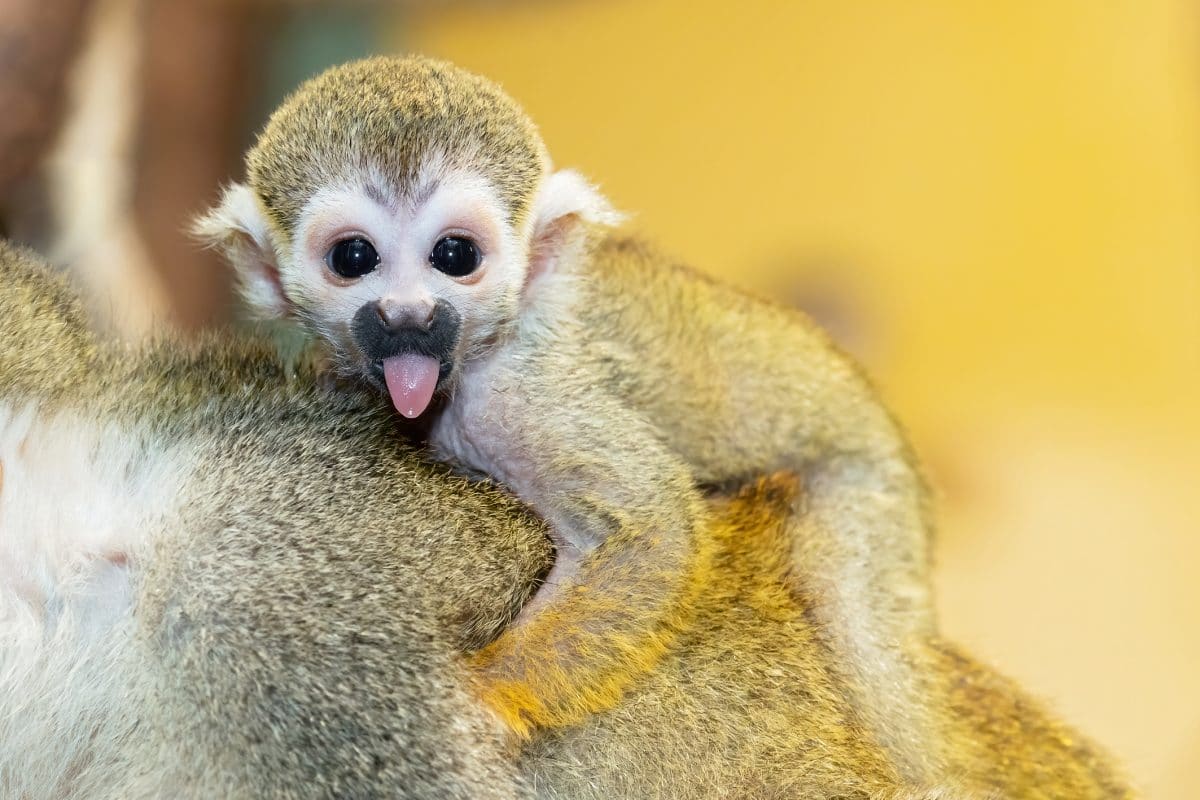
(995,205)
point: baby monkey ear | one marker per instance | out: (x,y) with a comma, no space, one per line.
(237,228)
(565,207)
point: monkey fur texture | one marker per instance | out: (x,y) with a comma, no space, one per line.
(599,380)
(218,579)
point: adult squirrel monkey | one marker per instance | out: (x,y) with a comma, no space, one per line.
(220,580)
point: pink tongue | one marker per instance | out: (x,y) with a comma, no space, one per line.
(411,380)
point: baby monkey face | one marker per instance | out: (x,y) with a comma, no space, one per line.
(407,284)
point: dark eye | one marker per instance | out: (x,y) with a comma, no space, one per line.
(353,258)
(455,256)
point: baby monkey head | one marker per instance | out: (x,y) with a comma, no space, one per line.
(403,210)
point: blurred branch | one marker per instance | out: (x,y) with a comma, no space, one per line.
(201,63)
(38,42)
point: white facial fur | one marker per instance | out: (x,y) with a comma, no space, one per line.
(404,227)
(292,278)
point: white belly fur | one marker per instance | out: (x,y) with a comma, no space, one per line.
(80,501)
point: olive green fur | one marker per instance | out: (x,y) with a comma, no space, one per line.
(377,117)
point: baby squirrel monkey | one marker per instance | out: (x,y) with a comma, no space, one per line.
(405,211)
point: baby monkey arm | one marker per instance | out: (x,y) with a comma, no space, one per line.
(624,515)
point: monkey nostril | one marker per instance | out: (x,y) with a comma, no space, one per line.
(394,317)
(387,315)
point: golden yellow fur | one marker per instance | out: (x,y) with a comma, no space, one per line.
(549,692)
(748,702)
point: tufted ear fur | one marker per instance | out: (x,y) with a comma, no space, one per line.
(565,206)
(238,228)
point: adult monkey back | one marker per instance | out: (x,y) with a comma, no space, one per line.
(217,581)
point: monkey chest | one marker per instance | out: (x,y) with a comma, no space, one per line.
(490,427)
